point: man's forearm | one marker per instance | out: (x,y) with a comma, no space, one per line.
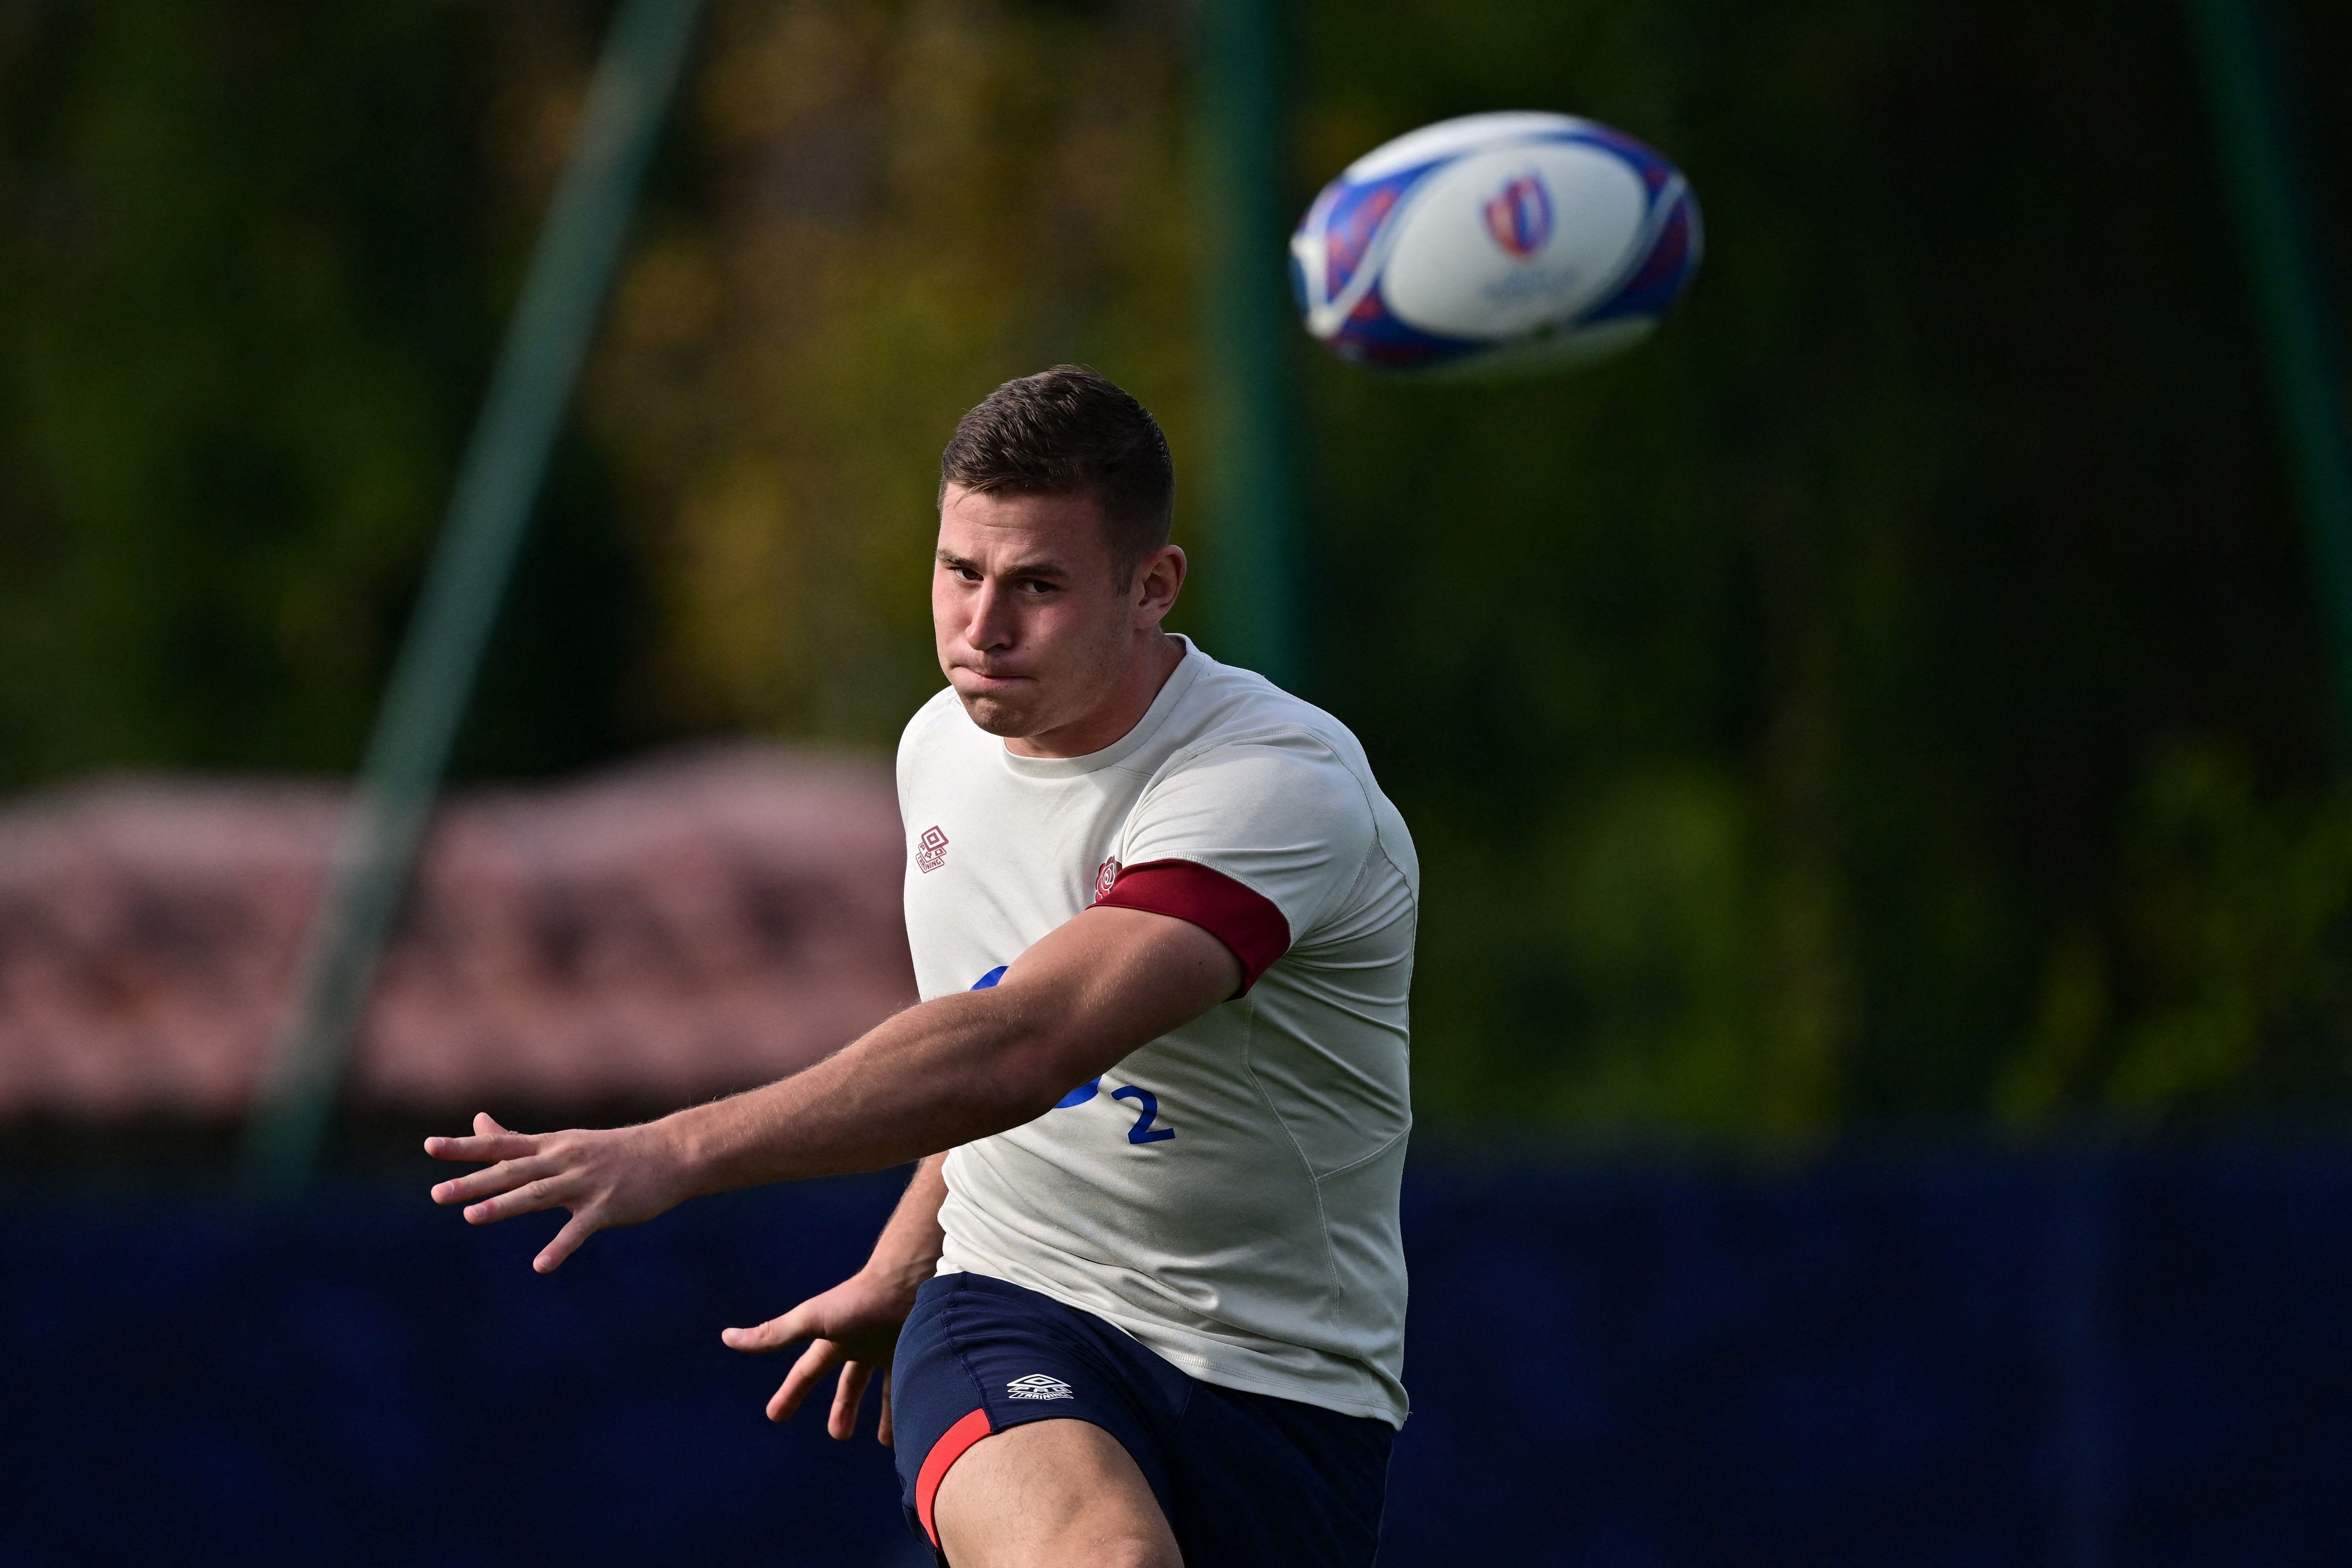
(962,1066)
(944,1073)
(908,1251)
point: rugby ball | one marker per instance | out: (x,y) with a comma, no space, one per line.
(1496,245)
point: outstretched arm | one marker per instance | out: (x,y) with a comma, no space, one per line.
(946,1072)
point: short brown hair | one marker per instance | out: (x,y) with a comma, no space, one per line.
(1071,430)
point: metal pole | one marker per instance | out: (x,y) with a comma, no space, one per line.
(2299,333)
(1247,332)
(562,298)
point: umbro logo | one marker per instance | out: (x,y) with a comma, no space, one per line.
(931,850)
(1038,1386)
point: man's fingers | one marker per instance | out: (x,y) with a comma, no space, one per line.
(882,1428)
(503,1177)
(529,1197)
(772,1335)
(841,1424)
(484,1150)
(821,1357)
(491,1141)
(577,1229)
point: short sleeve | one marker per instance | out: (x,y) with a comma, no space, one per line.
(1256,842)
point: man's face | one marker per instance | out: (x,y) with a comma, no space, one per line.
(1034,629)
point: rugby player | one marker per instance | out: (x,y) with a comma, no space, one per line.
(1149,1305)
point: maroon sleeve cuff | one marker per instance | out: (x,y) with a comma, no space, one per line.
(1243,919)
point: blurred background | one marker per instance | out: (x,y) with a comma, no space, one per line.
(1884,1011)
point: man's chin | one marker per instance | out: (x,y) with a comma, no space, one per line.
(1008,720)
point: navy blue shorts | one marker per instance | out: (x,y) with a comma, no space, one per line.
(1244,1478)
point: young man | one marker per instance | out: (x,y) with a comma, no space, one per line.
(1149,1306)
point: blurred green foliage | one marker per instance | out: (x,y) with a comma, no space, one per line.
(252,260)
(1892,694)
(224,414)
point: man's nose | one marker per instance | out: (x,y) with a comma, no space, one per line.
(990,625)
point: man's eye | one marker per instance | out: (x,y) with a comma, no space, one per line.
(1031,586)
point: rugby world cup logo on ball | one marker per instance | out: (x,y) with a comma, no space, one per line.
(1496,245)
(1520,218)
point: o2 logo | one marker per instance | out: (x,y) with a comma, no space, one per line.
(1147,1108)
(1147,1104)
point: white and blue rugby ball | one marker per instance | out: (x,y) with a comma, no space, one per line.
(1495,244)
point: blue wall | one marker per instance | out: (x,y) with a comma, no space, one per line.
(2088,1361)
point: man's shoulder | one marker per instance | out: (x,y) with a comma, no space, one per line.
(937,729)
(940,718)
(1251,738)
(1227,702)
(1234,708)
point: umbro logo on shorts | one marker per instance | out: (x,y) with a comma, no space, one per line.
(1038,1386)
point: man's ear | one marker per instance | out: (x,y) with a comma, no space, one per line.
(1158,578)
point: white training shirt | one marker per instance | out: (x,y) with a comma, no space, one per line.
(1228,1193)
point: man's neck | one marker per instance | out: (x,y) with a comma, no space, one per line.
(1121,712)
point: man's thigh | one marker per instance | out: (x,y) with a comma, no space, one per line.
(1047,1494)
(980,1361)
(1239,1481)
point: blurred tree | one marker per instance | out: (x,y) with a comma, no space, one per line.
(2221,979)
(252,259)
(1893,693)
(895,207)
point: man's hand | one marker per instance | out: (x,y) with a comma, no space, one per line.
(622,1175)
(854,1326)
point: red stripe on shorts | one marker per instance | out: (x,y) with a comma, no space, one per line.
(1244,919)
(940,1460)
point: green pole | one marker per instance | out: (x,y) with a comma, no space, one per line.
(1246,330)
(2258,157)
(562,296)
